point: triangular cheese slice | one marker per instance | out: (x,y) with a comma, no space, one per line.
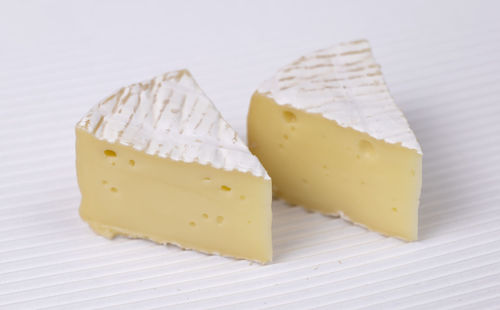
(156,160)
(330,135)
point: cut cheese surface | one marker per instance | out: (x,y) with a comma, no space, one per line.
(157,161)
(331,137)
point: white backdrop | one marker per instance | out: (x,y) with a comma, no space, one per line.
(441,60)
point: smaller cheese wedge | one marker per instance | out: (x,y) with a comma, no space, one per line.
(330,135)
(157,161)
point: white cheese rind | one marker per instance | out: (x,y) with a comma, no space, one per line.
(343,83)
(169,116)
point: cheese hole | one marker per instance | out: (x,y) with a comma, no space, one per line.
(289,116)
(131,162)
(292,128)
(207,179)
(249,222)
(242,197)
(114,189)
(305,181)
(225,188)
(363,182)
(219,219)
(205,216)
(110,153)
(366,149)
(395,209)
(285,137)
(192,224)
(104,182)
(280,145)
(325,167)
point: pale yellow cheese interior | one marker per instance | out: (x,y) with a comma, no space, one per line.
(127,192)
(317,164)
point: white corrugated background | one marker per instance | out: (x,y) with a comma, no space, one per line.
(442,63)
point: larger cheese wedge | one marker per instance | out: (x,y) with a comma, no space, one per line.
(156,160)
(330,135)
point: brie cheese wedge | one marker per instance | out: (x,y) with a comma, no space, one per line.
(330,135)
(156,160)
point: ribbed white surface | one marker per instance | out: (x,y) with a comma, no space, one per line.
(440,59)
